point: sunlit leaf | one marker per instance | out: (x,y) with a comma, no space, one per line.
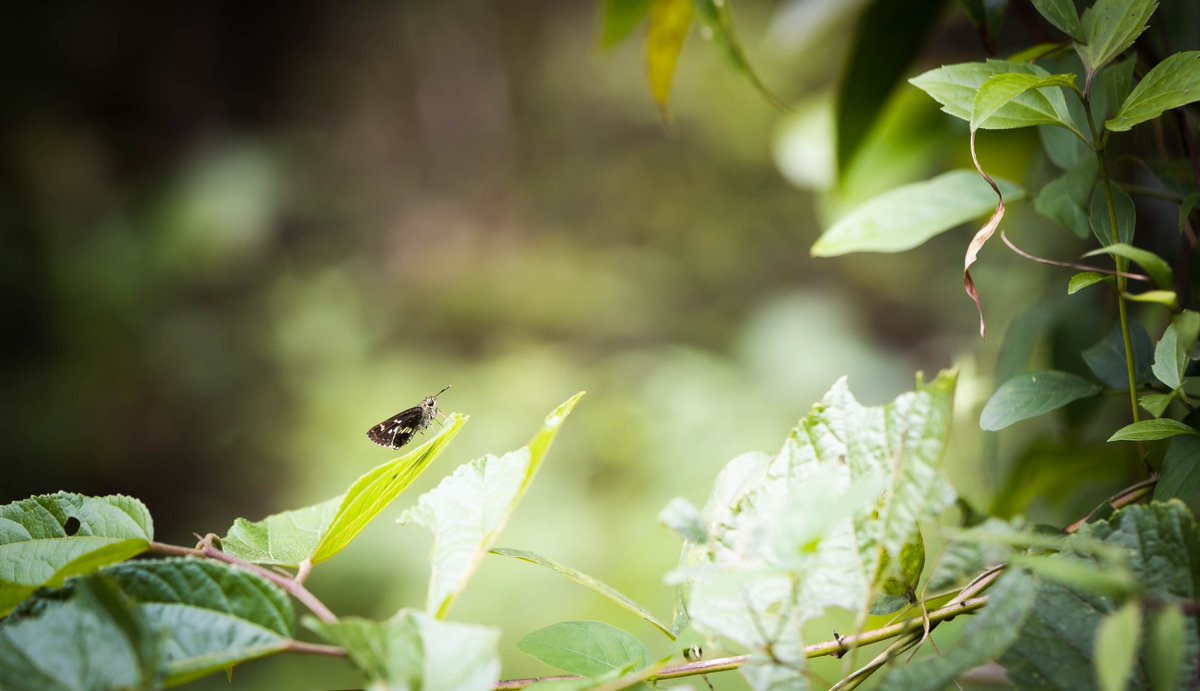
(48,538)
(1171,353)
(670,21)
(909,215)
(469,508)
(1116,647)
(586,648)
(1062,14)
(1001,89)
(1150,430)
(956,86)
(1084,279)
(1166,298)
(1112,26)
(1032,394)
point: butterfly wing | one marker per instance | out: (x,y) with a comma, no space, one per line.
(397,430)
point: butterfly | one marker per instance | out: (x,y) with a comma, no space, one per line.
(400,428)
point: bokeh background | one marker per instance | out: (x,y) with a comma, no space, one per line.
(236,235)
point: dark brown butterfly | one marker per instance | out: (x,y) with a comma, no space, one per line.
(400,428)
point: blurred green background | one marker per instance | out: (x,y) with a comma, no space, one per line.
(235,236)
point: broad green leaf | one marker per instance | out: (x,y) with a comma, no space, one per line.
(1165,649)
(955,87)
(984,638)
(1116,647)
(907,216)
(469,508)
(88,636)
(1156,403)
(586,581)
(670,21)
(1180,472)
(1158,269)
(48,538)
(1062,14)
(1101,222)
(209,616)
(1084,279)
(1106,359)
(1112,26)
(1171,353)
(586,648)
(1150,430)
(620,18)
(1065,149)
(887,37)
(414,651)
(1032,394)
(717,19)
(999,90)
(1065,198)
(320,531)
(1172,83)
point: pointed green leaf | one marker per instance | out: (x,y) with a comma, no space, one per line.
(468,509)
(1112,26)
(1062,14)
(1165,649)
(285,538)
(1111,88)
(586,581)
(48,538)
(1150,430)
(717,19)
(956,86)
(1180,472)
(1066,198)
(1084,279)
(1116,647)
(1157,267)
(1106,359)
(1033,394)
(586,648)
(620,18)
(1166,298)
(1156,403)
(907,216)
(210,616)
(414,651)
(670,21)
(1066,150)
(999,90)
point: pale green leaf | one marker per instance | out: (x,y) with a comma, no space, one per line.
(1116,647)
(670,21)
(955,87)
(586,648)
(1156,403)
(1166,298)
(1101,222)
(414,651)
(586,581)
(907,216)
(1172,83)
(999,90)
(1062,14)
(1171,353)
(1084,279)
(1032,394)
(1111,27)
(1150,430)
(284,539)
(620,18)
(48,538)
(1157,267)
(469,508)
(1165,649)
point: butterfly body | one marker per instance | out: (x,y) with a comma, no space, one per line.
(400,428)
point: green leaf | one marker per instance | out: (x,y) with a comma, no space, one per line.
(1156,403)
(1165,649)
(1158,269)
(320,531)
(1171,353)
(1116,647)
(1032,394)
(1101,223)
(89,636)
(1000,90)
(716,17)
(1106,359)
(209,616)
(670,22)
(620,18)
(1172,83)
(887,37)
(1112,87)
(1080,574)
(468,509)
(1084,279)
(956,86)
(48,538)
(1150,430)
(586,648)
(414,651)
(1111,27)
(586,581)
(1065,198)
(1180,472)
(984,638)
(1061,13)
(1166,298)
(907,216)
(1065,149)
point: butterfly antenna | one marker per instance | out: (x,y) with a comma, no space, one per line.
(443,391)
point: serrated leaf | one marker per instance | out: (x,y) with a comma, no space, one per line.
(907,216)
(1101,223)
(586,648)
(90,636)
(1111,27)
(469,508)
(1165,649)
(320,531)
(48,538)
(1000,89)
(1084,279)
(1065,198)
(620,18)
(1062,14)
(1157,267)
(1106,359)
(414,651)
(1180,472)
(1032,394)
(984,638)
(586,581)
(209,616)
(1150,430)
(1116,647)
(955,87)
(670,22)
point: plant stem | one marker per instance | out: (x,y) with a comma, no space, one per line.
(293,588)
(302,648)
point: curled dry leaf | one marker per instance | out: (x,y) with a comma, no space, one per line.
(980,239)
